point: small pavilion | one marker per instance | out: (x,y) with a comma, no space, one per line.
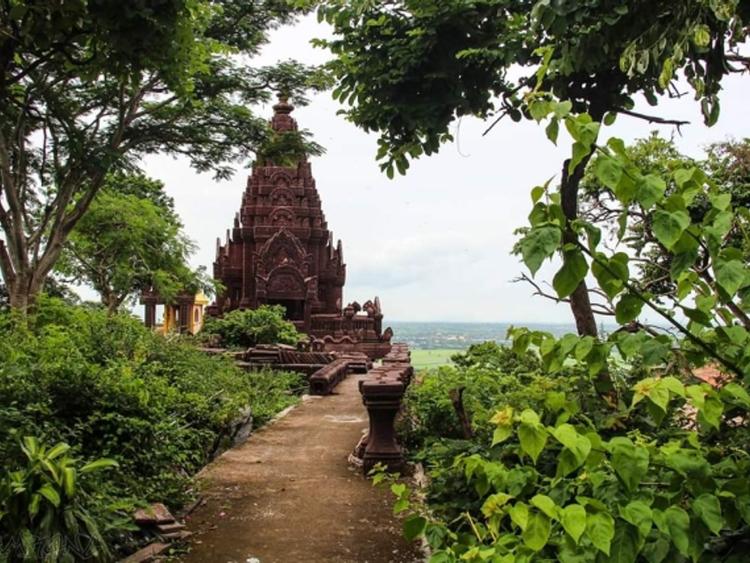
(182,314)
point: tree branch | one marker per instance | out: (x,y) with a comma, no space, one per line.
(597,308)
(653,119)
(670,319)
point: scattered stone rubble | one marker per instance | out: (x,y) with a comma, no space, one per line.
(157,522)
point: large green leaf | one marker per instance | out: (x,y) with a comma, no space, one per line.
(504,421)
(533,438)
(629,461)
(50,493)
(651,188)
(58,450)
(414,526)
(626,544)
(656,551)
(103,463)
(540,243)
(608,171)
(669,226)
(519,514)
(710,413)
(656,390)
(735,393)
(546,505)
(537,531)
(678,524)
(573,519)
(69,481)
(609,274)
(707,507)
(579,445)
(495,503)
(600,529)
(580,151)
(571,274)
(639,514)
(628,308)
(730,275)
(654,351)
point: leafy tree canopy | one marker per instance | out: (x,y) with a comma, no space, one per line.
(87,88)
(728,171)
(656,472)
(128,243)
(408,69)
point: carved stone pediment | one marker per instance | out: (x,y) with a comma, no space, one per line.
(283,248)
(285,282)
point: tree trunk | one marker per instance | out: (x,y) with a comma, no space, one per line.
(23,291)
(112,301)
(457,398)
(580,304)
(19,300)
(23,279)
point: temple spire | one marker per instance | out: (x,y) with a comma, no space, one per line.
(281,120)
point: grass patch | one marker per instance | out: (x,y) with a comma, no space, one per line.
(428,359)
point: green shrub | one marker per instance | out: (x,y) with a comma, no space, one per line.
(486,372)
(48,511)
(243,328)
(555,474)
(112,388)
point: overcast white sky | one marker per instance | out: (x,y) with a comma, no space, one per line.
(434,245)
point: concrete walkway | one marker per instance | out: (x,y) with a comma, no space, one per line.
(288,495)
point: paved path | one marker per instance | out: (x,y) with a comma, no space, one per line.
(287,495)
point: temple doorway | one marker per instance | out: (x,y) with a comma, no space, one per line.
(295,308)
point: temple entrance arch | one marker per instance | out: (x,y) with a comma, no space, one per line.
(285,286)
(294,308)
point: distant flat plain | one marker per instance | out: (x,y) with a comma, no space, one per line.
(433,343)
(433,358)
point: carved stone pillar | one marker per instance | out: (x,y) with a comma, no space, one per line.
(382,398)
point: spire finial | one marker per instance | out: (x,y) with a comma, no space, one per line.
(283,106)
(281,120)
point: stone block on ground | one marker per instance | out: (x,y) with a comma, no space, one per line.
(155,514)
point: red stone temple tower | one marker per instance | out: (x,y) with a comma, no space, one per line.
(280,251)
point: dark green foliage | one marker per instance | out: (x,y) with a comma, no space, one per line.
(565,478)
(287,148)
(111,388)
(485,371)
(243,328)
(727,167)
(48,509)
(407,70)
(129,241)
(488,373)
